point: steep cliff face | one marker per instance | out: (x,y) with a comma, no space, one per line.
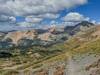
(46,36)
(17,35)
(83,26)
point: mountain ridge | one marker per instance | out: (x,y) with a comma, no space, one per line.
(51,34)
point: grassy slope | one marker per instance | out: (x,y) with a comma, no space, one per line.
(71,47)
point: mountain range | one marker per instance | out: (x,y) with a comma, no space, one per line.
(63,49)
(42,36)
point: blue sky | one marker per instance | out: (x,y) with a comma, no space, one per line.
(91,10)
(35,13)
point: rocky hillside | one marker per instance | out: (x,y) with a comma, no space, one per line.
(52,35)
(18,35)
(78,55)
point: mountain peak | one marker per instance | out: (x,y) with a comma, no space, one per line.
(85,23)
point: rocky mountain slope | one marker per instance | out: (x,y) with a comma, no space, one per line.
(78,55)
(53,34)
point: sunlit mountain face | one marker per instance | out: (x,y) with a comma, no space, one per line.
(49,37)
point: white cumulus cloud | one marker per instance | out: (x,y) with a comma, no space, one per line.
(38,9)
(75,17)
(49,15)
(30,7)
(4,18)
(33,19)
